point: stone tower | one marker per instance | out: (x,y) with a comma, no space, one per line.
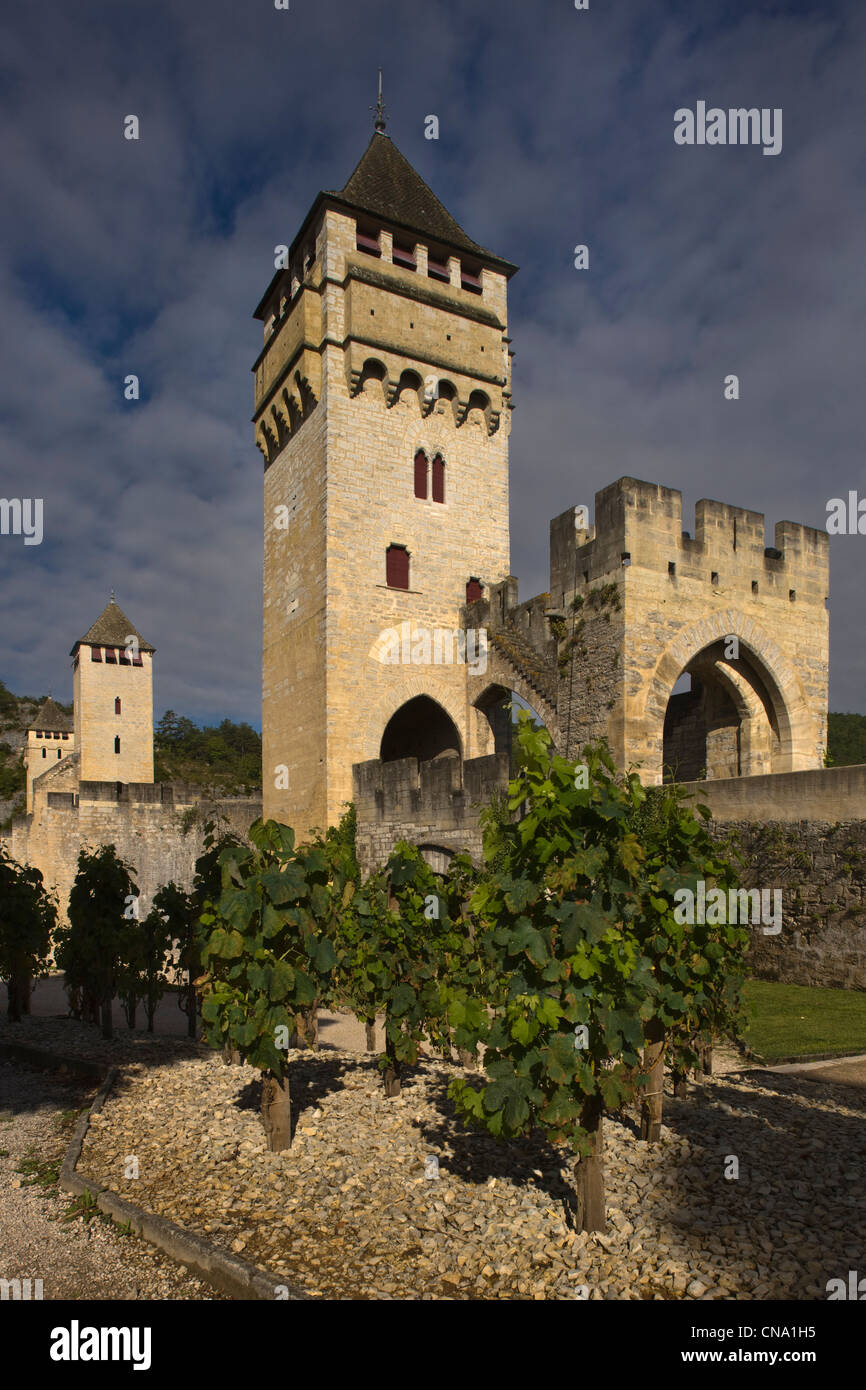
(113,695)
(49,740)
(382,399)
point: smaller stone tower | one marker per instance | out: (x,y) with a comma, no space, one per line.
(49,740)
(113,693)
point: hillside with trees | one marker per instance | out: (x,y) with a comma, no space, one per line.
(225,757)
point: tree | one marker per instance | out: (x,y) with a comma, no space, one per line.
(28,915)
(185,910)
(268,954)
(556,920)
(698,967)
(391,944)
(97,945)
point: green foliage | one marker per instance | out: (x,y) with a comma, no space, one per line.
(846,740)
(143,975)
(401,946)
(226,757)
(268,949)
(556,924)
(699,968)
(96,948)
(28,915)
(576,923)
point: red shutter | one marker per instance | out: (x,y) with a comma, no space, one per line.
(438,479)
(111,655)
(95,653)
(473,591)
(397,567)
(420,474)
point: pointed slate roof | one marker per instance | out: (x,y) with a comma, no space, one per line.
(111,629)
(385,184)
(50,718)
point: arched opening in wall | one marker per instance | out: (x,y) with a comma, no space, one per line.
(500,707)
(420,729)
(721,718)
(438,857)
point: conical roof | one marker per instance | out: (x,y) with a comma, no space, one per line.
(385,185)
(49,718)
(111,629)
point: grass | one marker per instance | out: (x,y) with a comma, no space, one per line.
(37,1172)
(797,1020)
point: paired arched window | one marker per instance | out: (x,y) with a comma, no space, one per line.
(437,473)
(397,567)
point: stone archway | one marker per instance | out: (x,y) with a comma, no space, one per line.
(420,729)
(750,712)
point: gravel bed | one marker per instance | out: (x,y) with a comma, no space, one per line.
(74,1259)
(348,1211)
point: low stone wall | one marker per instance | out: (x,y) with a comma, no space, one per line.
(160,837)
(820,869)
(822,794)
(435,805)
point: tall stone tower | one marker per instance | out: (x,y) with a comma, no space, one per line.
(113,701)
(382,400)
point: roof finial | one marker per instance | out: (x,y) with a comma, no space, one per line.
(380,109)
(112,596)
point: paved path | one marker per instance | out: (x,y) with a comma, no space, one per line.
(851,1071)
(74,1259)
(49,1000)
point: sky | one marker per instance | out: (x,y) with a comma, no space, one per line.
(556,128)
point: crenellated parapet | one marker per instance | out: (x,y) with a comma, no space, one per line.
(639,525)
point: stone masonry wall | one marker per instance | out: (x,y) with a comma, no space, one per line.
(160,839)
(821,871)
(428,804)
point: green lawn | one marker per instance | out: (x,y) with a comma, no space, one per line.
(794,1020)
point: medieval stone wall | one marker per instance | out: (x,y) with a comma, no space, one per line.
(429,804)
(820,870)
(156,828)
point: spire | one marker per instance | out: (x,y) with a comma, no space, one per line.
(380,109)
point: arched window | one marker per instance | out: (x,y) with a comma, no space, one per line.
(438,479)
(474,590)
(117,745)
(44,753)
(117,704)
(60,752)
(397,567)
(420,474)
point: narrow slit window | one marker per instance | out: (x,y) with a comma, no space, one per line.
(438,479)
(421,474)
(117,704)
(117,745)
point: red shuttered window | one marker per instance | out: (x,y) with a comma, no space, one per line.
(397,567)
(438,479)
(420,474)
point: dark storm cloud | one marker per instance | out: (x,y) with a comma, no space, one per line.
(556,127)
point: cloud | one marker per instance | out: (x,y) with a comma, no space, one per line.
(556,127)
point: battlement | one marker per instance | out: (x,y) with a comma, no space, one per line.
(639,525)
(443,791)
